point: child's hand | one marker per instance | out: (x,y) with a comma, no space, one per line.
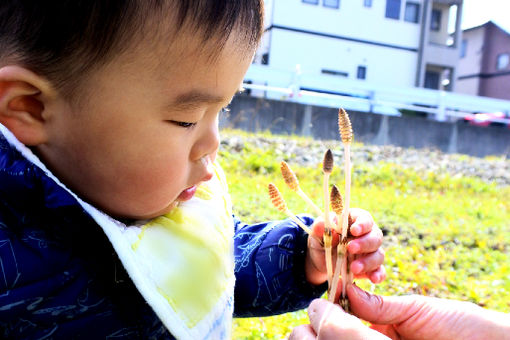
(366,246)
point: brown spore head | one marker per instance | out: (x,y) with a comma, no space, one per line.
(288,176)
(336,200)
(277,198)
(344,126)
(328,162)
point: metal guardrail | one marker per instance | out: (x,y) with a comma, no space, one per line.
(332,91)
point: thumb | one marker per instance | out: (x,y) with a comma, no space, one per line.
(330,322)
(383,310)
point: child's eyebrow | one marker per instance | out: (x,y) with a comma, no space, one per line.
(195,97)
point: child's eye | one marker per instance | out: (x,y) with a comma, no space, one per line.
(183,124)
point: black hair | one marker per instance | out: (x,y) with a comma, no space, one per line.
(62,40)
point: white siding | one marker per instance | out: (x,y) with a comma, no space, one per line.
(441,37)
(268,12)
(352,20)
(389,66)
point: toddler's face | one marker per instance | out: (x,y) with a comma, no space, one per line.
(142,139)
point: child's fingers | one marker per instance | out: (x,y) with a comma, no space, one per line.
(378,275)
(318,230)
(367,243)
(362,222)
(368,262)
(314,243)
(318,227)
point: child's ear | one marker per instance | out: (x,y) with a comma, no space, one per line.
(22,104)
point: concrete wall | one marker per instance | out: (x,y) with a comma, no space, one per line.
(257,114)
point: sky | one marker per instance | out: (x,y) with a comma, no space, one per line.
(477,12)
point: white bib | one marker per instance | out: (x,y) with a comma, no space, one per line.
(182,262)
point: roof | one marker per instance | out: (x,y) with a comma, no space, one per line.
(488,23)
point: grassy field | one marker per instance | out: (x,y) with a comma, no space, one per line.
(445,237)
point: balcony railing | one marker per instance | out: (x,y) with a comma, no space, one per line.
(329,91)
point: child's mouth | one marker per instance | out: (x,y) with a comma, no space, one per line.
(187,194)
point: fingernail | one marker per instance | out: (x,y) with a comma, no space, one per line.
(356,230)
(357,267)
(354,248)
(312,309)
(353,289)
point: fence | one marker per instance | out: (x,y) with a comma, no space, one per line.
(333,91)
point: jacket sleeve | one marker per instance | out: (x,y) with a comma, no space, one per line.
(269,268)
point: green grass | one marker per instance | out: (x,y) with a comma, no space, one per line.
(445,237)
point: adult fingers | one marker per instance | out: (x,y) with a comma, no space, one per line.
(327,318)
(330,322)
(383,309)
(303,332)
(320,310)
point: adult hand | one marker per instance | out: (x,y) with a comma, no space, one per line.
(366,246)
(403,317)
(328,321)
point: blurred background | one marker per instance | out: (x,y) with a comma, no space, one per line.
(388,62)
(427,86)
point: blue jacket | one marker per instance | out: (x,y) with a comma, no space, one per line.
(52,285)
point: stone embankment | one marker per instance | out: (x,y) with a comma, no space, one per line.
(309,152)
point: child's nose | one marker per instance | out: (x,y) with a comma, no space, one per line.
(207,144)
(207,163)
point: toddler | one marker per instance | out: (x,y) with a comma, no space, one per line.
(115,221)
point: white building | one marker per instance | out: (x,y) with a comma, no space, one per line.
(403,43)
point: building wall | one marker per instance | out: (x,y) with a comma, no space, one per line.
(268,12)
(390,66)
(441,36)
(496,87)
(477,71)
(495,83)
(351,20)
(319,38)
(468,86)
(471,64)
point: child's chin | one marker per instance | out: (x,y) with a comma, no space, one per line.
(166,210)
(156,214)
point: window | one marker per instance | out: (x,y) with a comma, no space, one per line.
(412,12)
(463,48)
(393,9)
(335,73)
(362,72)
(367,3)
(431,80)
(435,20)
(265,59)
(313,2)
(503,60)
(331,3)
